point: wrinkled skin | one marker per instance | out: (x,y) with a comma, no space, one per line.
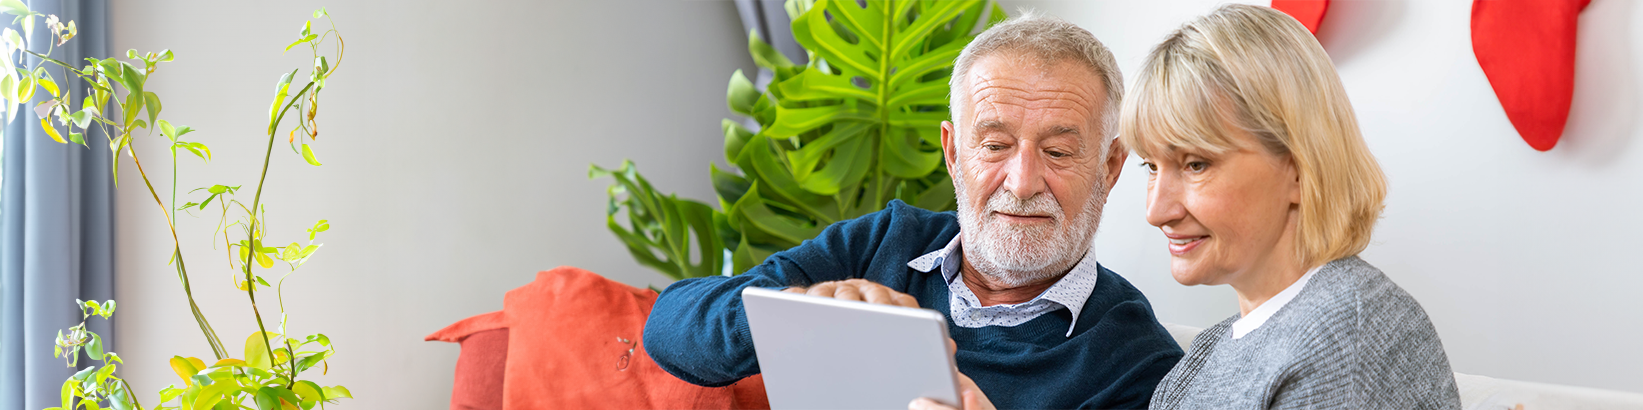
(1028,162)
(1232,217)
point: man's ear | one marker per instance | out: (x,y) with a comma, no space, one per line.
(1117,154)
(949,152)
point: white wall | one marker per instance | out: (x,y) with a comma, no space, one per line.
(1524,260)
(456,140)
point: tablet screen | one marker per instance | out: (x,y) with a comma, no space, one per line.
(824,353)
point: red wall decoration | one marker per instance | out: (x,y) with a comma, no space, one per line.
(1527,49)
(1309,12)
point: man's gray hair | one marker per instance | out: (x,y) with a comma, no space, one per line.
(1050,40)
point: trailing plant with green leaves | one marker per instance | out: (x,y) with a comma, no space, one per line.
(96,384)
(114,102)
(838,137)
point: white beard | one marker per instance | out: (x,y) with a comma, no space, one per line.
(1018,255)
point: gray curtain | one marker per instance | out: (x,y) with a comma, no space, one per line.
(770,19)
(56,226)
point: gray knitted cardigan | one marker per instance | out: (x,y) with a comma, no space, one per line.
(1350,339)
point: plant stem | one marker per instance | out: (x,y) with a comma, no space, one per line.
(182,271)
(177,251)
(52,60)
(132,394)
(210,333)
(885,65)
(253,242)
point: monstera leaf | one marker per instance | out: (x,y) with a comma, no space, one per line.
(837,138)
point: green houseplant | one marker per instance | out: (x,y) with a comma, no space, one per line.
(267,373)
(838,137)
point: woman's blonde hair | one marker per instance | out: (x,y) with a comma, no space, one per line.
(1257,70)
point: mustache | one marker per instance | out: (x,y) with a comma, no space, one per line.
(1042,204)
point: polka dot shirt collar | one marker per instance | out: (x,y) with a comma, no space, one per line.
(1070,292)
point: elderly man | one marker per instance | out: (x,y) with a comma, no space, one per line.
(1032,157)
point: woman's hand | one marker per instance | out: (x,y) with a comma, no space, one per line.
(972,396)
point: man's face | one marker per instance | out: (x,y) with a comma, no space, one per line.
(1029,166)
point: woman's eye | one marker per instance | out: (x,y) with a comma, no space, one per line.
(1197,166)
(1150,167)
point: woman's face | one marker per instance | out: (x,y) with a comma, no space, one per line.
(1230,216)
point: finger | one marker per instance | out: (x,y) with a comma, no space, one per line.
(952,346)
(796,289)
(877,294)
(906,300)
(966,383)
(971,396)
(824,289)
(972,400)
(847,293)
(927,404)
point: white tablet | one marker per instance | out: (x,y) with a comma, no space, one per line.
(824,353)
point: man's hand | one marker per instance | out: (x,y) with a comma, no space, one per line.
(972,396)
(860,290)
(968,392)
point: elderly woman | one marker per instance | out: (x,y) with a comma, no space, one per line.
(1260,179)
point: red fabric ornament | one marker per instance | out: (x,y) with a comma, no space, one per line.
(1527,50)
(1309,12)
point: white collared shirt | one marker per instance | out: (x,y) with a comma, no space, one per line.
(1260,314)
(1070,292)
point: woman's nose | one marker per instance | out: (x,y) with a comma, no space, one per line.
(1164,200)
(1024,174)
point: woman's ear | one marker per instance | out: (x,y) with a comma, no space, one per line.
(1295,180)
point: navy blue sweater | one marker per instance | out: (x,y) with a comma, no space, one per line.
(1116,355)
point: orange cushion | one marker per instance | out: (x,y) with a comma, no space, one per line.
(574,341)
(479,369)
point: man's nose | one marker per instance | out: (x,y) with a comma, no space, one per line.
(1025,173)
(1164,200)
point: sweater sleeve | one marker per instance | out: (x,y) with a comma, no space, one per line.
(1400,359)
(697,330)
(1371,346)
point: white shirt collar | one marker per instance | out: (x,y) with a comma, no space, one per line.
(1260,314)
(1071,291)
(949,266)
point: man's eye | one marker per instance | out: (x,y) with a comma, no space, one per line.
(1197,166)
(1056,154)
(993,147)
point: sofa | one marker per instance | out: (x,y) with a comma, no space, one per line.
(573,339)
